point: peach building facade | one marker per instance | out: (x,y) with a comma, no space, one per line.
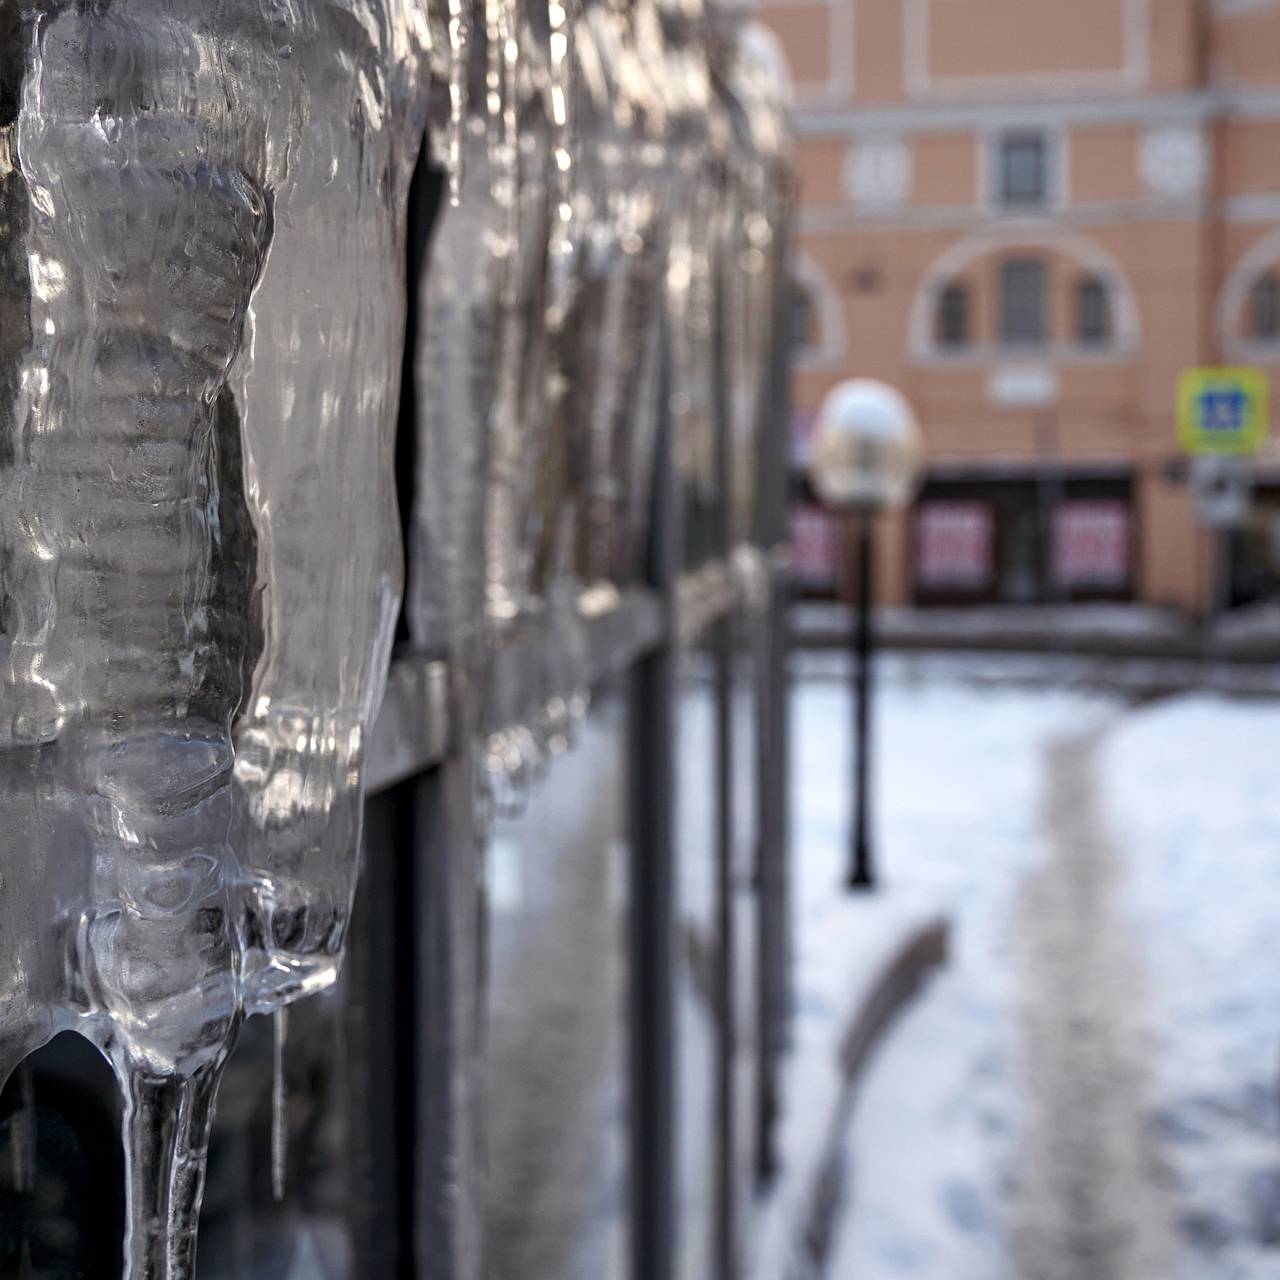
(1031,216)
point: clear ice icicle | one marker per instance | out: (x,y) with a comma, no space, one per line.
(180,746)
(167,1122)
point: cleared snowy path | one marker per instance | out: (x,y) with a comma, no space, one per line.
(1090,1201)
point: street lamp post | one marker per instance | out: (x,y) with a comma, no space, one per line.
(867,459)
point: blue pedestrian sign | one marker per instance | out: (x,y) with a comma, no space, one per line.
(1222,412)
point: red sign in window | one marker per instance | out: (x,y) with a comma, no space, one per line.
(1091,544)
(804,423)
(815,547)
(955,544)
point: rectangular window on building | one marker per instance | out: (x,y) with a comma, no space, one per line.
(1022,302)
(1024,170)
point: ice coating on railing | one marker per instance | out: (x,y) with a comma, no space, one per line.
(605,335)
(200,225)
(480,364)
(745,65)
(702,140)
(537,368)
(201,317)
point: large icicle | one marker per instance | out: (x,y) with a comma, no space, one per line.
(187,412)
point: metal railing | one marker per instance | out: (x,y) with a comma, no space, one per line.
(422,786)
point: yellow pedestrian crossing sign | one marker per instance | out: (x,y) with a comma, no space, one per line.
(1222,411)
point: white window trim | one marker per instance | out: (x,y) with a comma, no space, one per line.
(1262,257)
(837,85)
(1050,353)
(1015,237)
(1256,351)
(1134,73)
(1229,8)
(832,350)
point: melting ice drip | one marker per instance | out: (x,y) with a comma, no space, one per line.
(199,563)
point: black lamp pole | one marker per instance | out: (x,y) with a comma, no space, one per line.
(866,453)
(861,870)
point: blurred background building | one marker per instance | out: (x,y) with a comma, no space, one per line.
(1031,217)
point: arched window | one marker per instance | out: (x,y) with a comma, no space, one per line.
(1093,312)
(804,319)
(1264,309)
(952,328)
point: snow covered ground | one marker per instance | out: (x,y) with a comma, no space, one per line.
(1089,1089)
(1193,797)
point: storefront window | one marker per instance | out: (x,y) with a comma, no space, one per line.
(815,549)
(954,547)
(1091,546)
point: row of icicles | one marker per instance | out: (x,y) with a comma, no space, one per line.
(596,241)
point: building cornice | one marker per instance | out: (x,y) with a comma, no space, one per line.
(1262,208)
(1098,109)
(974,217)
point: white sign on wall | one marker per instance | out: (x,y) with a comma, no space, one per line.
(1023,386)
(1223,490)
(877,173)
(1174,160)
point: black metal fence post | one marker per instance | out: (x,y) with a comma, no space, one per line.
(724,662)
(773,533)
(653,1046)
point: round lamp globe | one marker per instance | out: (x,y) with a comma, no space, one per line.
(868,452)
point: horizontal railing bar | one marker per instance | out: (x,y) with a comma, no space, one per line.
(412,731)
(703,596)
